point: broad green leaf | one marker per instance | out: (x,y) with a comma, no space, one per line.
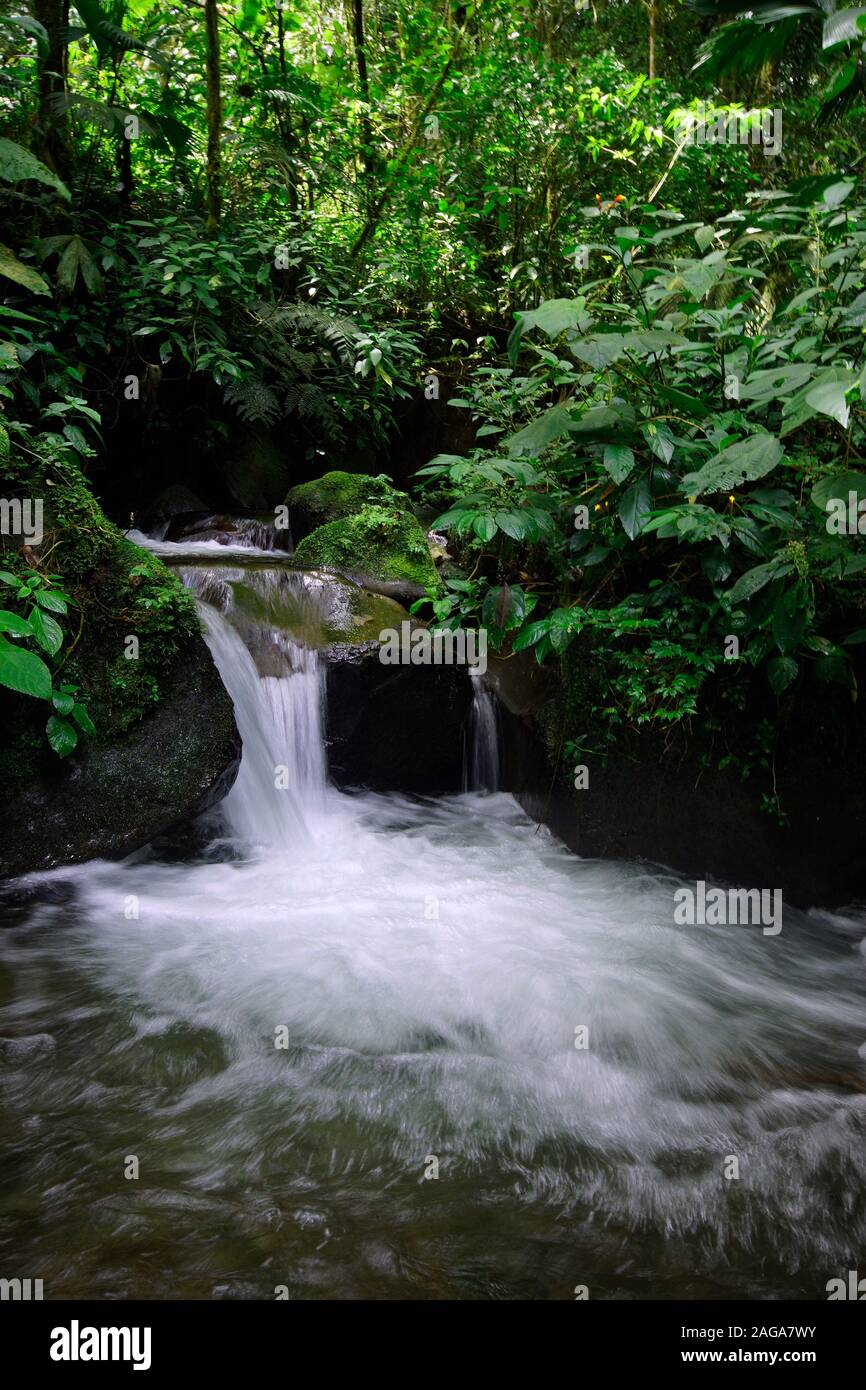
(48,598)
(61,736)
(25,275)
(781,671)
(660,440)
(17,165)
(24,671)
(555,316)
(704,237)
(771,383)
(635,507)
(11,622)
(716,565)
(441,463)
(838,486)
(755,579)
(76,438)
(598,350)
(790,620)
(684,404)
(532,633)
(512,523)
(542,431)
(604,420)
(450,518)
(76,259)
(47,631)
(654,340)
(828,394)
(619,461)
(743,462)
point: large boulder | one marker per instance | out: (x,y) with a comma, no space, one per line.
(335,495)
(678,797)
(395,728)
(177,500)
(156,736)
(379,542)
(111,796)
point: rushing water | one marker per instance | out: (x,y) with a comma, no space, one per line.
(481,759)
(290,1029)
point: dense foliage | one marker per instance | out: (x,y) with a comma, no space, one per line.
(295,220)
(656,469)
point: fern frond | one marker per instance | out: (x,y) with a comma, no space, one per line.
(340,331)
(253,400)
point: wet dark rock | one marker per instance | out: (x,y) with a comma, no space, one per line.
(174,501)
(113,797)
(651,798)
(399,589)
(259,532)
(394,728)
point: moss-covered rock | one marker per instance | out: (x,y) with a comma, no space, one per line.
(336,495)
(165,742)
(383,542)
(695,797)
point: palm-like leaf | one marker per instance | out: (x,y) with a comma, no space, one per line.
(759,30)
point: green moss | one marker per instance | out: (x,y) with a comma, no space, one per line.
(339,494)
(119,591)
(383,542)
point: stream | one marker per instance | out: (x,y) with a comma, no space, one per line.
(340,1035)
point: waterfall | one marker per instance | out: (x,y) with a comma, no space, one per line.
(277,687)
(355,982)
(282,773)
(481,757)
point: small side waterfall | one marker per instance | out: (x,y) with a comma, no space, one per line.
(481,757)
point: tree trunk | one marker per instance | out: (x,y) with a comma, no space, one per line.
(214,118)
(651,56)
(285,116)
(406,153)
(124,168)
(367,152)
(52,144)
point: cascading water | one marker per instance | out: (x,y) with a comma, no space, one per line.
(276,686)
(481,756)
(291,1026)
(282,774)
